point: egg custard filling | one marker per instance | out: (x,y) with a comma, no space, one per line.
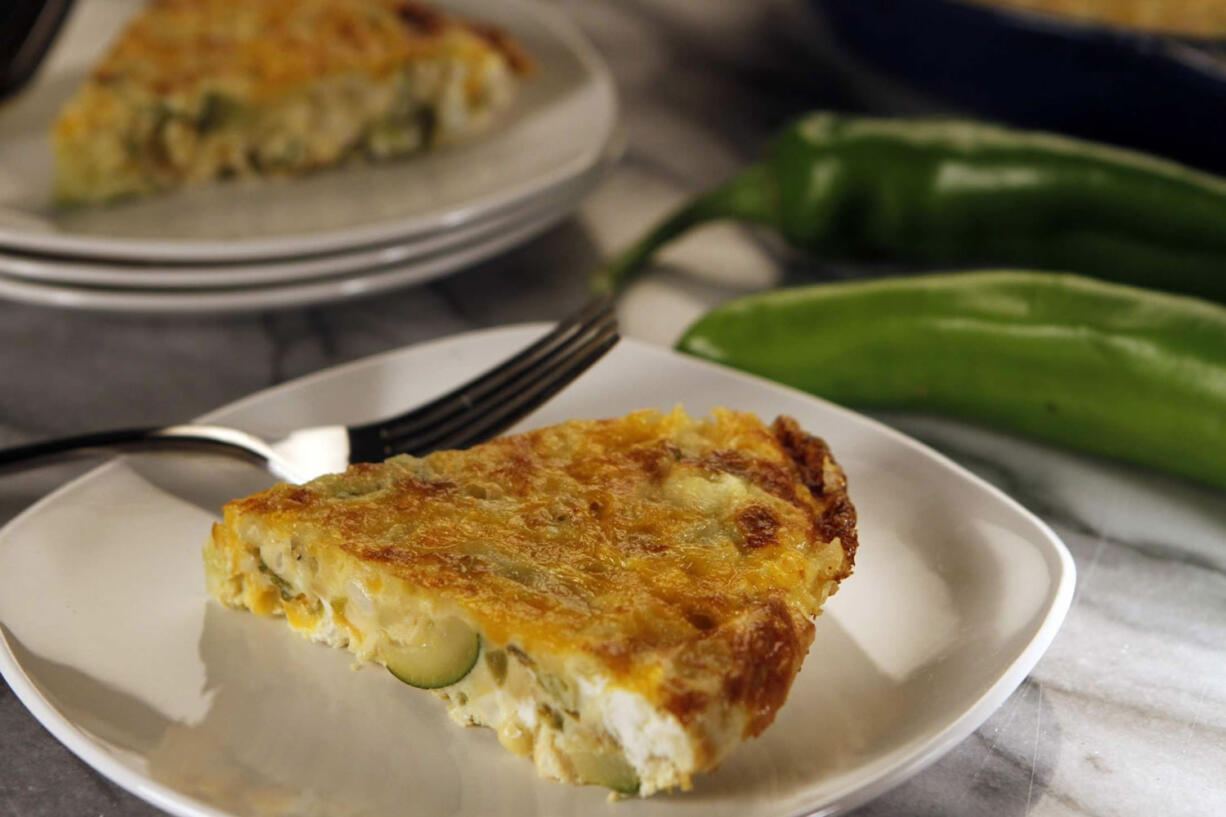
(623,601)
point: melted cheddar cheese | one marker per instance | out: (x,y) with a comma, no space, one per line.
(199,89)
(675,562)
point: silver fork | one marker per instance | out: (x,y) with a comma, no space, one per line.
(473,412)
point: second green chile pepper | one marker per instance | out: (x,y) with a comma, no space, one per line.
(949,193)
(1123,372)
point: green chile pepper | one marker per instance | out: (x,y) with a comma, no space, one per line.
(1109,369)
(952,193)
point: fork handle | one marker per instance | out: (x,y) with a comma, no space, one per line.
(185,438)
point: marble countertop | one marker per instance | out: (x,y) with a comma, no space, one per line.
(1125,715)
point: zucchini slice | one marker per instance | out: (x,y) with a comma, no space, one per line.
(608,769)
(446,654)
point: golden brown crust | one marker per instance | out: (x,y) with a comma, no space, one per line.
(826,483)
(267,45)
(197,90)
(767,654)
(757,525)
(683,559)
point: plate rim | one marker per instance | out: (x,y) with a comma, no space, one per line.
(353,285)
(39,268)
(914,759)
(98,247)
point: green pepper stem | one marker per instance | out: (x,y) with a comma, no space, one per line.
(748,196)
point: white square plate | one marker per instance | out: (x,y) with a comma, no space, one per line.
(558,129)
(84,274)
(109,639)
(358,282)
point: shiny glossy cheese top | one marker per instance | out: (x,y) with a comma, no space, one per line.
(682,558)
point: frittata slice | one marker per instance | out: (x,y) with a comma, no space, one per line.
(621,600)
(195,90)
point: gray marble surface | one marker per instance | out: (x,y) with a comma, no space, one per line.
(1125,715)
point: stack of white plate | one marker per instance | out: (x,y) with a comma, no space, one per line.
(337,234)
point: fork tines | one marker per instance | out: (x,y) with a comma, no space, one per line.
(481,408)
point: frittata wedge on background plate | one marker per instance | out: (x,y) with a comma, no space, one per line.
(622,600)
(195,90)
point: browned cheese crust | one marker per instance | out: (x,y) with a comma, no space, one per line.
(176,45)
(684,559)
(197,90)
